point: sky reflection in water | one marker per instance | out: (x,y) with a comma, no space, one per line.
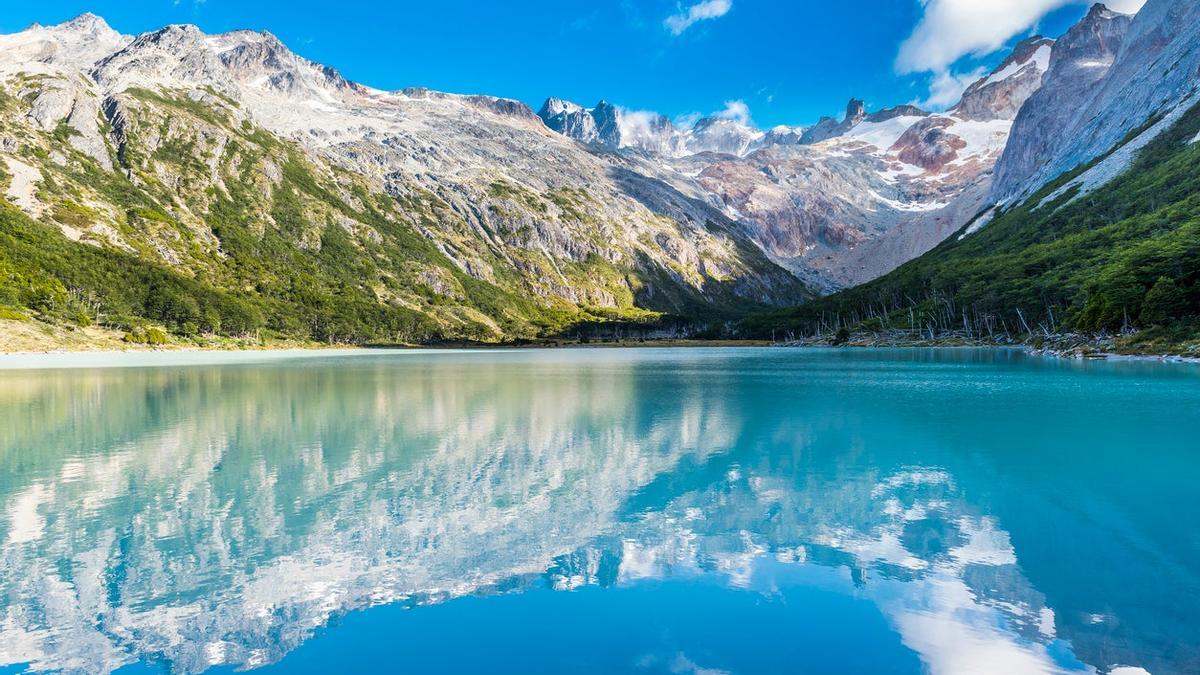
(596,510)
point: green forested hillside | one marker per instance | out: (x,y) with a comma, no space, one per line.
(206,225)
(1124,257)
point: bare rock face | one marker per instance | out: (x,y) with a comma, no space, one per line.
(51,107)
(928,145)
(896,111)
(1152,80)
(849,199)
(482,179)
(828,128)
(1001,95)
(1079,60)
(572,120)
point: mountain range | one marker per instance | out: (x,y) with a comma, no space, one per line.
(224,185)
(1091,225)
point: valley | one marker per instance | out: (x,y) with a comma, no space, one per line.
(194,189)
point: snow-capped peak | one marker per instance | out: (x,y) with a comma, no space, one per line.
(74,44)
(558,106)
(1000,95)
(1039,60)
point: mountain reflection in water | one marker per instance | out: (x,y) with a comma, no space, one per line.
(993,508)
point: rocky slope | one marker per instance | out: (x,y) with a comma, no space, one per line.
(843,201)
(1096,229)
(235,164)
(1079,61)
(1117,83)
(268,192)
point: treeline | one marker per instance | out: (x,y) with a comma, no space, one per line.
(62,280)
(57,278)
(1124,257)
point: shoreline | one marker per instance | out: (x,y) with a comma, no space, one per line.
(90,359)
(1062,346)
(274,348)
(28,341)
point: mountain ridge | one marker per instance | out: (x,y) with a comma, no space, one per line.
(1105,249)
(843,201)
(234,163)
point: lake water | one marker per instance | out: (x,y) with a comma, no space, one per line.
(600,510)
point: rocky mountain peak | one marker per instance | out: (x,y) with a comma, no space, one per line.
(261,58)
(1000,95)
(1079,61)
(603,107)
(173,34)
(896,111)
(175,55)
(573,120)
(1092,43)
(557,106)
(608,124)
(783,135)
(827,127)
(74,44)
(1100,12)
(86,23)
(856,111)
(182,56)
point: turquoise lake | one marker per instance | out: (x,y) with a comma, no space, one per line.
(599,510)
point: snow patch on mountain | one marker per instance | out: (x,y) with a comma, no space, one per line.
(1040,60)
(1085,110)
(74,45)
(847,199)
(882,135)
(980,222)
(982,137)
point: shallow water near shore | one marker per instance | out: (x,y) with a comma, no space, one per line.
(599,510)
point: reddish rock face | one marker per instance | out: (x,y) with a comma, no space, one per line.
(928,145)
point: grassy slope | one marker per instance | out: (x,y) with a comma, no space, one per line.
(1124,256)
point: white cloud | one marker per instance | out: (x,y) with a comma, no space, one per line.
(686,18)
(643,123)
(947,87)
(737,111)
(687,120)
(637,126)
(952,29)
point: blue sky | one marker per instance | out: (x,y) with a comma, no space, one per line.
(789,61)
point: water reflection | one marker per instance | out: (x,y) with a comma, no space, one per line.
(206,516)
